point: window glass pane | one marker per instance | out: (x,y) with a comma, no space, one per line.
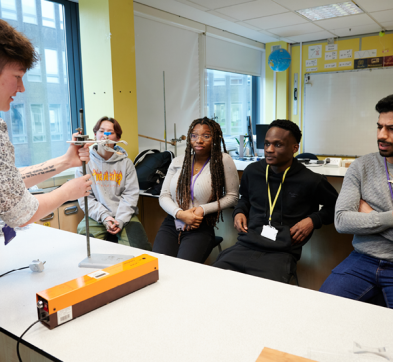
(39,121)
(29,11)
(65,72)
(18,123)
(8,9)
(56,130)
(48,13)
(51,64)
(228,100)
(61,17)
(34,75)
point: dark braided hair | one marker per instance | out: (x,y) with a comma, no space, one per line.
(183,193)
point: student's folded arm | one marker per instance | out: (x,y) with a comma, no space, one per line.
(348,219)
(129,197)
(231,188)
(326,195)
(166,202)
(97,211)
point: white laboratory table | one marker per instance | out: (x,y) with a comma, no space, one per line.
(323,170)
(193,313)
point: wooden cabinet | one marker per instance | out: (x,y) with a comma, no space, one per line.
(70,215)
(51,220)
(151,215)
(66,217)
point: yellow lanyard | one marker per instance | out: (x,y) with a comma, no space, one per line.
(278,192)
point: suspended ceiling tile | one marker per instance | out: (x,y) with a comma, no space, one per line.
(215,13)
(388,25)
(383,16)
(345,21)
(196,6)
(245,32)
(248,25)
(319,35)
(291,31)
(275,21)
(358,30)
(215,4)
(375,5)
(254,9)
(305,4)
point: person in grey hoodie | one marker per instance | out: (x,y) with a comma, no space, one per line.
(115,191)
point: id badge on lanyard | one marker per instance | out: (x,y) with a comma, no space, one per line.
(269,231)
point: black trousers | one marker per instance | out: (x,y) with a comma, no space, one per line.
(277,266)
(195,245)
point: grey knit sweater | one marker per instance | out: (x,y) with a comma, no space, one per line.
(373,232)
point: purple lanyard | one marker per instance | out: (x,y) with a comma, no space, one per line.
(387,176)
(192,184)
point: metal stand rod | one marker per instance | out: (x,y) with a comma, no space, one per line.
(166,145)
(86,200)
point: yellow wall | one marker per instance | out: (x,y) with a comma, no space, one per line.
(108,65)
(282,85)
(383,45)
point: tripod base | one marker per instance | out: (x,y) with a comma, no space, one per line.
(101,261)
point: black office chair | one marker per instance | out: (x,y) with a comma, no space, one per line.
(217,242)
(310,156)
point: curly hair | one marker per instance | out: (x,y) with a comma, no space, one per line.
(385,105)
(15,48)
(289,126)
(116,126)
(183,194)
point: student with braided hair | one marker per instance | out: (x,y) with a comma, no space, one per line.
(197,187)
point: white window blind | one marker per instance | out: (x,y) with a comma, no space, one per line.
(232,57)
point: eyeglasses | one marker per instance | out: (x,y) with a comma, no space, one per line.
(204,137)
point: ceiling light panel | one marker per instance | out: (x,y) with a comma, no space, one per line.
(330,11)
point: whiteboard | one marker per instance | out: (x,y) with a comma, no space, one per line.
(339,111)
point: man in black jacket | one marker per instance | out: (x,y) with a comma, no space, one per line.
(278,210)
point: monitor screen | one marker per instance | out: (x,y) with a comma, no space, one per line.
(261,134)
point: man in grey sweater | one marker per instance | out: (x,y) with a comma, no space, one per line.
(364,208)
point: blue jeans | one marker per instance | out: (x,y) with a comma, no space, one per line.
(361,277)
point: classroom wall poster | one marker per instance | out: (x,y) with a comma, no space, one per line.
(366,54)
(331,56)
(388,61)
(330,65)
(330,47)
(311,63)
(375,62)
(345,64)
(314,51)
(345,53)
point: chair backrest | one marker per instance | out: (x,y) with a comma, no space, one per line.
(311,156)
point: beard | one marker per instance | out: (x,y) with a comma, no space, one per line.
(385,153)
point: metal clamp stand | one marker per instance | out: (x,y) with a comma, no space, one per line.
(94,260)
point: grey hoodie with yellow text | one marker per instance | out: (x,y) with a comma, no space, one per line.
(115,188)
